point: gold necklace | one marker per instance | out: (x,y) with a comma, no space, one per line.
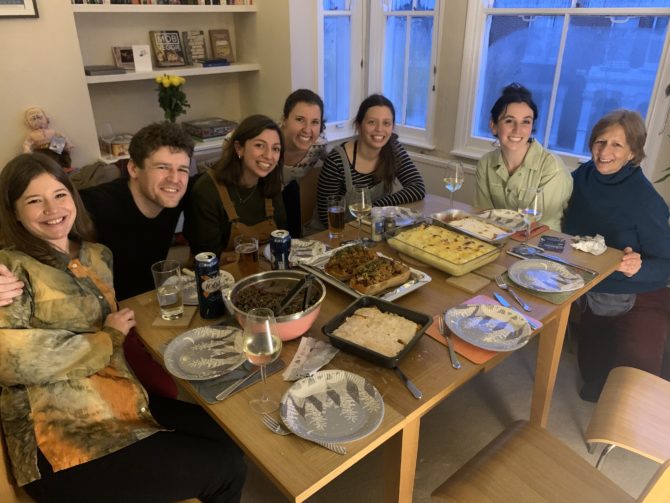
(239,197)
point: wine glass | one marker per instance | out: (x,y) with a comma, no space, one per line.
(360,205)
(262,345)
(453,179)
(531,208)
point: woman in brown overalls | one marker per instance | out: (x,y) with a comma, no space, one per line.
(241,195)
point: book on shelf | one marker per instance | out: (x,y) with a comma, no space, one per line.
(221,45)
(209,128)
(206,63)
(194,46)
(167,48)
(92,70)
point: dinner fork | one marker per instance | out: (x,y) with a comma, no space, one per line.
(443,330)
(504,286)
(275,427)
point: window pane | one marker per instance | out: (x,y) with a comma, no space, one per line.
(335,4)
(419,71)
(529,4)
(394,62)
(336,67)
(624,3)
(617,71)
(407,5)
(520,49)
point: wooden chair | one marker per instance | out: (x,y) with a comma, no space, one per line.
(633,412)
(526,464)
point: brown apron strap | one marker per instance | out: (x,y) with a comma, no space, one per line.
(225,198)
(269,209)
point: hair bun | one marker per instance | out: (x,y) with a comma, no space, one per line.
(516,89)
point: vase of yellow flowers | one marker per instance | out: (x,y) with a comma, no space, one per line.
(171,98)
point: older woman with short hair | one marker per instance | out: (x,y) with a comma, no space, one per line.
(625,319)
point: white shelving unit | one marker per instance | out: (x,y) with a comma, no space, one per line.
(182,71)
(128,100)
(153,9)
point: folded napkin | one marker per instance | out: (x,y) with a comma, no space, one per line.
(210,388)
(589,244)
(312,354)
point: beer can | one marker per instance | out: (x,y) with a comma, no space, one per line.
(280,248)
(208,282)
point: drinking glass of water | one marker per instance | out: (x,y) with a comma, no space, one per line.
(453,179)
(167,278)
(262,345)
(531,208)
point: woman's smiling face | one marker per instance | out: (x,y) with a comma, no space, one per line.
(610,150)
(46,210)
(514,126)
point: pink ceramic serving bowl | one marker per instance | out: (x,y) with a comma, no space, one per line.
(290,325)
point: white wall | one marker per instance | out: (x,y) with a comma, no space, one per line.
(42,67)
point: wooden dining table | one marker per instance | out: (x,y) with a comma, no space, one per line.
(300,468)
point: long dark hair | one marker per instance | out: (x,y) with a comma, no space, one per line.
(14,180)
(385,170)
(303,96)
(229,169)
(513,93)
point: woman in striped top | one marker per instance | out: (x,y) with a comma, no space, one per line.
(374,159)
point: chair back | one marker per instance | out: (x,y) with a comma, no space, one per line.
(658,488)
(9,491)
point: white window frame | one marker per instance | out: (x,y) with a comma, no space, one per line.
(367,72)
(473,147)
(379,11)
(336,130)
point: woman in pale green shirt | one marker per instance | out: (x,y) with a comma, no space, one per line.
(521,165)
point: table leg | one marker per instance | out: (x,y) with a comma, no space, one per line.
(400,453)
(548,355)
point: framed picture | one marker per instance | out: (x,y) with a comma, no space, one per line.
(123,57)
(18,8)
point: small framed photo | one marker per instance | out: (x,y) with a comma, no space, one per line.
(18,8)
(123,57)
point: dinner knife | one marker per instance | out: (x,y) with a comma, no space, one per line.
(503,302)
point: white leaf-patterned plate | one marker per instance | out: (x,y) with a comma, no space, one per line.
(544,276)
(205,352)
(332,406)
(488,326)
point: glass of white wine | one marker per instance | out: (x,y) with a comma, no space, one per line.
(262,345)
(531,208)
(453,179)
(360,205)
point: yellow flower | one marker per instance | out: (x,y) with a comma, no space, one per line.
(159,79)
(176,80)
(166,81)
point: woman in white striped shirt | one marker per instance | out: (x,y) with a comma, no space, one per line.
(374,159)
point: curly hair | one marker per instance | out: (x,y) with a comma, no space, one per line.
(154,136)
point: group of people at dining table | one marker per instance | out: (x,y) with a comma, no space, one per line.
(79,425)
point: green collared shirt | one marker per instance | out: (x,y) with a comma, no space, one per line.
(496,188)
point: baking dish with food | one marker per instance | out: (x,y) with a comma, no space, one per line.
(422,320)
(317,267)
(396,242)
(501,234)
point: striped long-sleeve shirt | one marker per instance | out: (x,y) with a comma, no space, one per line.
(332,180)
